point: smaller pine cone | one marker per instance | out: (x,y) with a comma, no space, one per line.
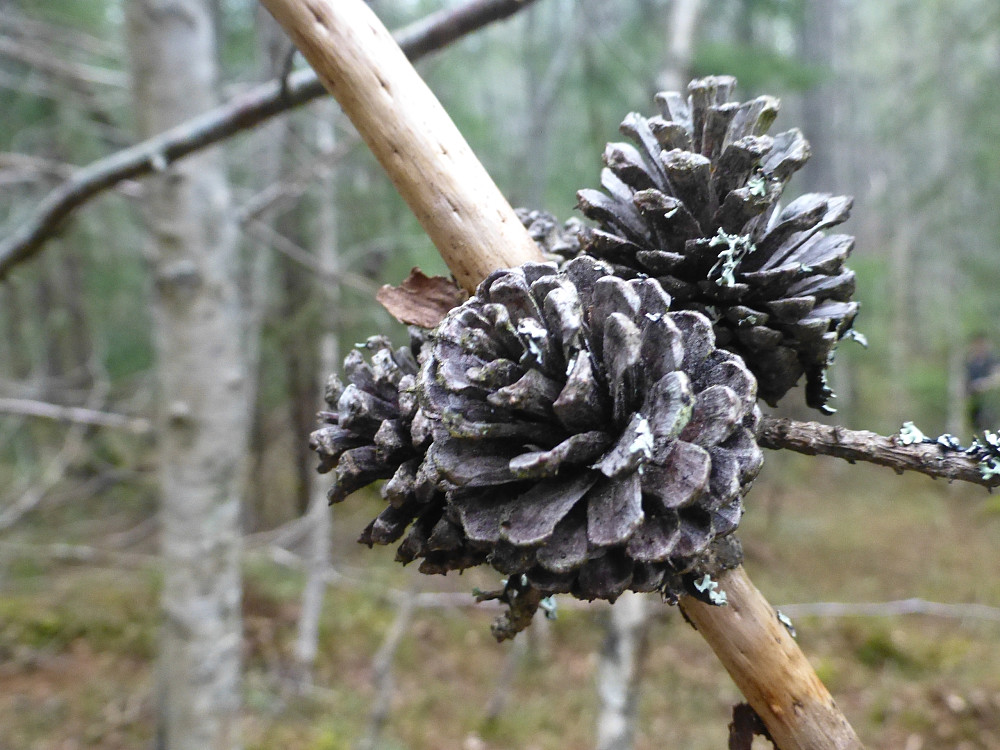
(694,204)
(588,439)
(374,431)
(556,241)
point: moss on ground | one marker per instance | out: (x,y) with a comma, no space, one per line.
(77,642)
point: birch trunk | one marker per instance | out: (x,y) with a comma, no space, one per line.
(202,377)
(318,542)
(620,670)
(681,34)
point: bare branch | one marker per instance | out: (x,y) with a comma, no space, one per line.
(78,553)
(76,414)
(815,439)
(241,113)
(74,74)
(912,606)
(56,468)
(382,674)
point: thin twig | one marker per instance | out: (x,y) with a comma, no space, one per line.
(812,438)
(75,414)
(57,466)
(913,606)
(132,536)
(241,113)
(74,73)
(293,186)
(382,674)
(264,234)
(79,553)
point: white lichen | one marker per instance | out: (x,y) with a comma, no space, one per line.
(738,246)
(711,589)
(643,442)
(909,434)
(531,333)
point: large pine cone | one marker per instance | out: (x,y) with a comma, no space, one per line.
(588,439)
(694,204)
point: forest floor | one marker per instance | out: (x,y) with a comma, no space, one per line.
(78,632)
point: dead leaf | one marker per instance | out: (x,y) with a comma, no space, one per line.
(421,300)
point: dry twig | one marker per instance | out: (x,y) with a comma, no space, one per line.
(815,439)
(75,414)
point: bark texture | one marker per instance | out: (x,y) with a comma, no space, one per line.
(449,191)
(201,367)
(930,458)
(768,667)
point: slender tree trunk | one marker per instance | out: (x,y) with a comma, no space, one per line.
(203,380)
(681,33)
(319,543)
(620,670)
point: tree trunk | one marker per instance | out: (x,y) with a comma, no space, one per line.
(203,381)
(681,33)
(320,514)
(620,670)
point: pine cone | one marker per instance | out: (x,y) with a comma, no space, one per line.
(373,432)
(695,205)
(557,242)
(588,439)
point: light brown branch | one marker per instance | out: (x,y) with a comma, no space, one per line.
(769,668)
(426,157)
(913,606)
(241,113)
(815,439)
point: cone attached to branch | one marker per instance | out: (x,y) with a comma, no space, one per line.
(556,241)
(587,438)
(694,204)
(368,434)
(565,427)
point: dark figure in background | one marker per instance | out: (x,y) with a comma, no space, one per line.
(982,374)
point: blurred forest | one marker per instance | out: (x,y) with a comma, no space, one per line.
(109,466)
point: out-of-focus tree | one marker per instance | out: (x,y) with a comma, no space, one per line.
(202,373)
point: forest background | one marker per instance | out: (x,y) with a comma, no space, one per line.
(900,102)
